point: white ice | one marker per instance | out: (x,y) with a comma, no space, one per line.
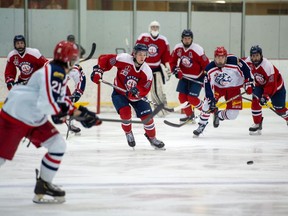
(201,176)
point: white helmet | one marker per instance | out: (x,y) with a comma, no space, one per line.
(154,32)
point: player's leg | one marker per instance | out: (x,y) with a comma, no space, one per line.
(143,109)
(203,120)
(183,89)
(48,136)
(123,108)
(279,101)
(256,110)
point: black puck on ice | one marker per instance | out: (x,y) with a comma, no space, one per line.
(250,162)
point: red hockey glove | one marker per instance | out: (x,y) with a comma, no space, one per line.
(178,73)
(248,86)
(96,74)
(264,99)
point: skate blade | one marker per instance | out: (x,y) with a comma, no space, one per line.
(42,199)
(255,133)
(158,149)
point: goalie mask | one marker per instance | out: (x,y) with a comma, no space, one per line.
(19,43)
(220,56)
(66,52)
(154,29)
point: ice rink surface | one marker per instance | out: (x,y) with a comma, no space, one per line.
(201,176)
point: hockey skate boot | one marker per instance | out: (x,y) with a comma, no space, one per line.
(74,129)
(256,129)
(216,120)
(200,129)
(130,139)
(189,119)
(43,188)
(155,143)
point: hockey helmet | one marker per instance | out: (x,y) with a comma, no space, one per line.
(71,38)
(19,38)
(255,49)
(66,52)
(187,33)
(220,51)
(140,47)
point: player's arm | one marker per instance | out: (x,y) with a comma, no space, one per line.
(78,76)
(10,74)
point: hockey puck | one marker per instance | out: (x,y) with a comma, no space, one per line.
(250,162)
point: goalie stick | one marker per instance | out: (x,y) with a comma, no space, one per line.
(175,109)
(183,123)
(93,49)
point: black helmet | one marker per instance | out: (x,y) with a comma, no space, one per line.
(255,49)
(187,33)
(19,38)
(70,38)
(140,47)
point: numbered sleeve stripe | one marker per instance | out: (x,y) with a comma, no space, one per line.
(49,91)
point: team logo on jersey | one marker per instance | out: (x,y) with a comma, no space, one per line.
(259,78)
(186,62)
(16,60)
(223,79)
(126,70)
(131,82)
(58,75)
(153,50)
(25,68)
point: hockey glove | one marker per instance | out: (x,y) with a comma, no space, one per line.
(133,93)
(10,83)
(88,118)
(75,96)
(248,86)
(178,73)
(264,99)
(96,75)
(59,118)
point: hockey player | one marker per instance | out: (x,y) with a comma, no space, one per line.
(135,77)
(269,84)
(224,77)
(26,59)
(78,76)
(82,51)
(188,59)
(158,60)
(25,114)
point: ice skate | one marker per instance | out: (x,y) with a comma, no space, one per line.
(130,139)
(188,119)
(47,193)
(155,143)
(256,129)
(216,120)
(199,130)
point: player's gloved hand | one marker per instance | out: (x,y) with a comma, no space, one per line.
(133,93)
(75,96)
(96,74)
(264,99)
(212,105)
(88,118)
(10,83)
(248,86)
(178,73)
(59,118)
(167,69)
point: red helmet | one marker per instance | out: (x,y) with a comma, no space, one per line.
(220,51)
(67,52)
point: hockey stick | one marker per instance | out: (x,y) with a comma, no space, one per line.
(93,49)
(175,109)
(192,80)
(68,125)
(266,104)
(209,111)
(78,118)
